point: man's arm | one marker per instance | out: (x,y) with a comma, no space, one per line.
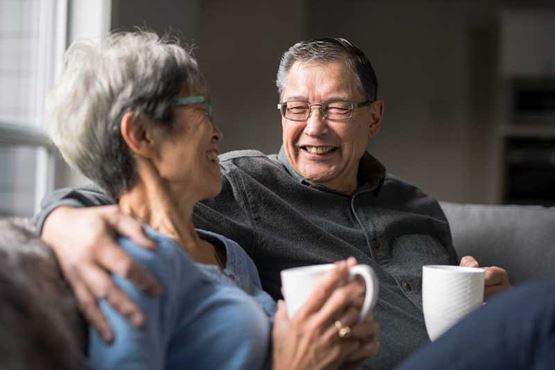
(83,241)
(83,196)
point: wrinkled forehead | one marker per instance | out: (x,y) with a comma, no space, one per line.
(321,80)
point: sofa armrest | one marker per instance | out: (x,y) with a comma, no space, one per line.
(518,238)
(37,306)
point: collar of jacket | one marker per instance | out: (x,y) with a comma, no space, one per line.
(371,174)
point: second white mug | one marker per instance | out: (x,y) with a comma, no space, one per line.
(448,294)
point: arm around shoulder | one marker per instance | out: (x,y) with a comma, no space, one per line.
(85,196)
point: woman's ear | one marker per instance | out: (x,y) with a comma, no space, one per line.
(137,134)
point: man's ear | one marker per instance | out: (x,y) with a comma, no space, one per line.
(376,117)
(137,134)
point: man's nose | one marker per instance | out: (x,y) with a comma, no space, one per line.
(316,123)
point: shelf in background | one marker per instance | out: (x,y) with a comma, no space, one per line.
(528,130)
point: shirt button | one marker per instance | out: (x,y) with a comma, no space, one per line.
(375,245)
(406,285)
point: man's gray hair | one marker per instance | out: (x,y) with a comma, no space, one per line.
(128,72)
(327,50)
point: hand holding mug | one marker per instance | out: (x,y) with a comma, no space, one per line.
(496,279)
(299,282)
(325,331)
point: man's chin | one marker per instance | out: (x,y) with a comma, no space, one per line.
(320,176)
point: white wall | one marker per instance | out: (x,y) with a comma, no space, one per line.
(240,44)
(178,16)
(425,53)
(436,63)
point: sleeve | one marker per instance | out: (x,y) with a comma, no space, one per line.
(135,348)
(85,196)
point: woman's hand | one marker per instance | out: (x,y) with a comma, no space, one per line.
(311,340)
(83,240)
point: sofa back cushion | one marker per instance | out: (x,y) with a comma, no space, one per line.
(520,239)
(40,324)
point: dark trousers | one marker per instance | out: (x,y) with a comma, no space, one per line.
(515,330)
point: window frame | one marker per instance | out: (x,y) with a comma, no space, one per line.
(60,22)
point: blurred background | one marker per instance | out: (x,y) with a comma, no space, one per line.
(469,86)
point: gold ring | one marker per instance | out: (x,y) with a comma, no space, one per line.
(344,331)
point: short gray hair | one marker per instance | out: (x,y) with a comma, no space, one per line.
(128,72)
(327,50)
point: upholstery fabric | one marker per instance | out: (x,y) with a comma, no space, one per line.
(518,238)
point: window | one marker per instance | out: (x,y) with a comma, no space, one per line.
(32,41)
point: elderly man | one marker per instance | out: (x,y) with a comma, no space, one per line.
(321,199)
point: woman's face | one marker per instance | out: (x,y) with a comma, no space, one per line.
(187,157)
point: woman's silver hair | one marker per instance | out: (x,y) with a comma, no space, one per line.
(128,72)
(327,50)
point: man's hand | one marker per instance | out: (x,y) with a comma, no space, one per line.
(496,278)
(83,240)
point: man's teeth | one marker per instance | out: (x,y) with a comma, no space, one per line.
(318,149)
(213,156)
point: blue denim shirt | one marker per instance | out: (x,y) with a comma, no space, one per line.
(283,221)
(193,323)
(239,271)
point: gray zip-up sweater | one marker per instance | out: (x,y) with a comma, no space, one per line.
(283,221)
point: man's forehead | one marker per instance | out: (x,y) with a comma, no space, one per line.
(320,78)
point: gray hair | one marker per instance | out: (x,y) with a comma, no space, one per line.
(327,50)
(128,72)
(40,324)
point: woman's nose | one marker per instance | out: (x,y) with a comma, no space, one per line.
(217,134)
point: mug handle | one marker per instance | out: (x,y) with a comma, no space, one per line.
(372,287)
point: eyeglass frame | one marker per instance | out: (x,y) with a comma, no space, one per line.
(194,99)
(322,108)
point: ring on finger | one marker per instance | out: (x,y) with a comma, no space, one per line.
(343,331)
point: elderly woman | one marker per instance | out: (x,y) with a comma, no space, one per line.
(133,115)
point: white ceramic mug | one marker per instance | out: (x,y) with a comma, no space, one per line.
(299,282)
(448,294)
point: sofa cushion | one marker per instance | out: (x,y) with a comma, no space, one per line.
(39,320)
(518,238)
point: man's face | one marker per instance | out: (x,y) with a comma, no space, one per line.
(323,151)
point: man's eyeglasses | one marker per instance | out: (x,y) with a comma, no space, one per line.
(190,100)
(333,110)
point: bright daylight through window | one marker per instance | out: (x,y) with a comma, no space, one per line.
(32,39)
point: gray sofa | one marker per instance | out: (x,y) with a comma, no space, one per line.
(520,239)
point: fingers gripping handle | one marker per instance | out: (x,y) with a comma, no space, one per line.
(371,291)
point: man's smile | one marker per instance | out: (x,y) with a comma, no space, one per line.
(318,149)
